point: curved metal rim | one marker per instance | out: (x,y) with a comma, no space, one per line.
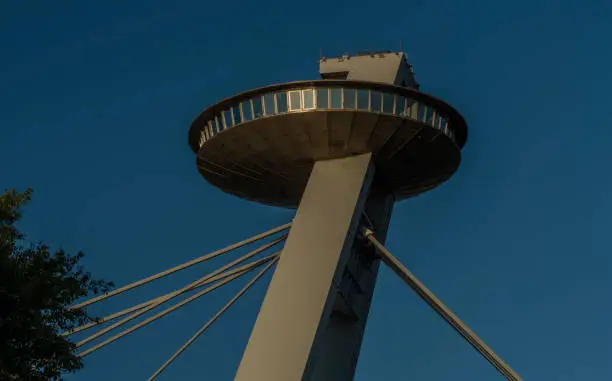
(454,116)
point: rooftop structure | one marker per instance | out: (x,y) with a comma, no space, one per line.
(383,67)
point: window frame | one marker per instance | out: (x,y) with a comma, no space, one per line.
(303,99)
(340,89)
(276,102)
(290,101)
(323,90)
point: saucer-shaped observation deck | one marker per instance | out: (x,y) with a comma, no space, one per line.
(261,144)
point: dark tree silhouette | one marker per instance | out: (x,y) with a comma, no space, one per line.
(37,285)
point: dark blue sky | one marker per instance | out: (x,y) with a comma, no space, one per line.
(96,101)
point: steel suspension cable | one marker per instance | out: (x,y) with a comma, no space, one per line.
(212,320)
(180,267)
(435,303)
(165,312)
(172,295)
(142,305)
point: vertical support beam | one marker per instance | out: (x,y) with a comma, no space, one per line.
(344,334)
(289,334)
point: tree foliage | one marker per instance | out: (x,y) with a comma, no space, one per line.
(37,285)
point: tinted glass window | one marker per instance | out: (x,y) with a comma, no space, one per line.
(269,104)
(399,105)
(376,101)
(421,109)
(257,107)
(349,98)
(295,100)
(430,116)
(308,98)
(388,103)
(322,98)
(236,114)
(363,99)
(281,101)
(227,118)
(247,113)
(410,108)
(336,97)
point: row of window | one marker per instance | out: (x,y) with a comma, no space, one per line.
(324,98)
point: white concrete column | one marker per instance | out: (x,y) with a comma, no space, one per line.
(296,310)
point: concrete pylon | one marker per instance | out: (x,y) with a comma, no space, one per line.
(311,322)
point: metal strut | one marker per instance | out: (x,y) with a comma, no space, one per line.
(212,320)
(174,294)
(207,280)
(180,267)
(174,307)
(441,309)
(165,298)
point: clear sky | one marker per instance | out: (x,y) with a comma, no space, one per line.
(96,101)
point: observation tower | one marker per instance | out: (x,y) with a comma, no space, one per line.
(341,150)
